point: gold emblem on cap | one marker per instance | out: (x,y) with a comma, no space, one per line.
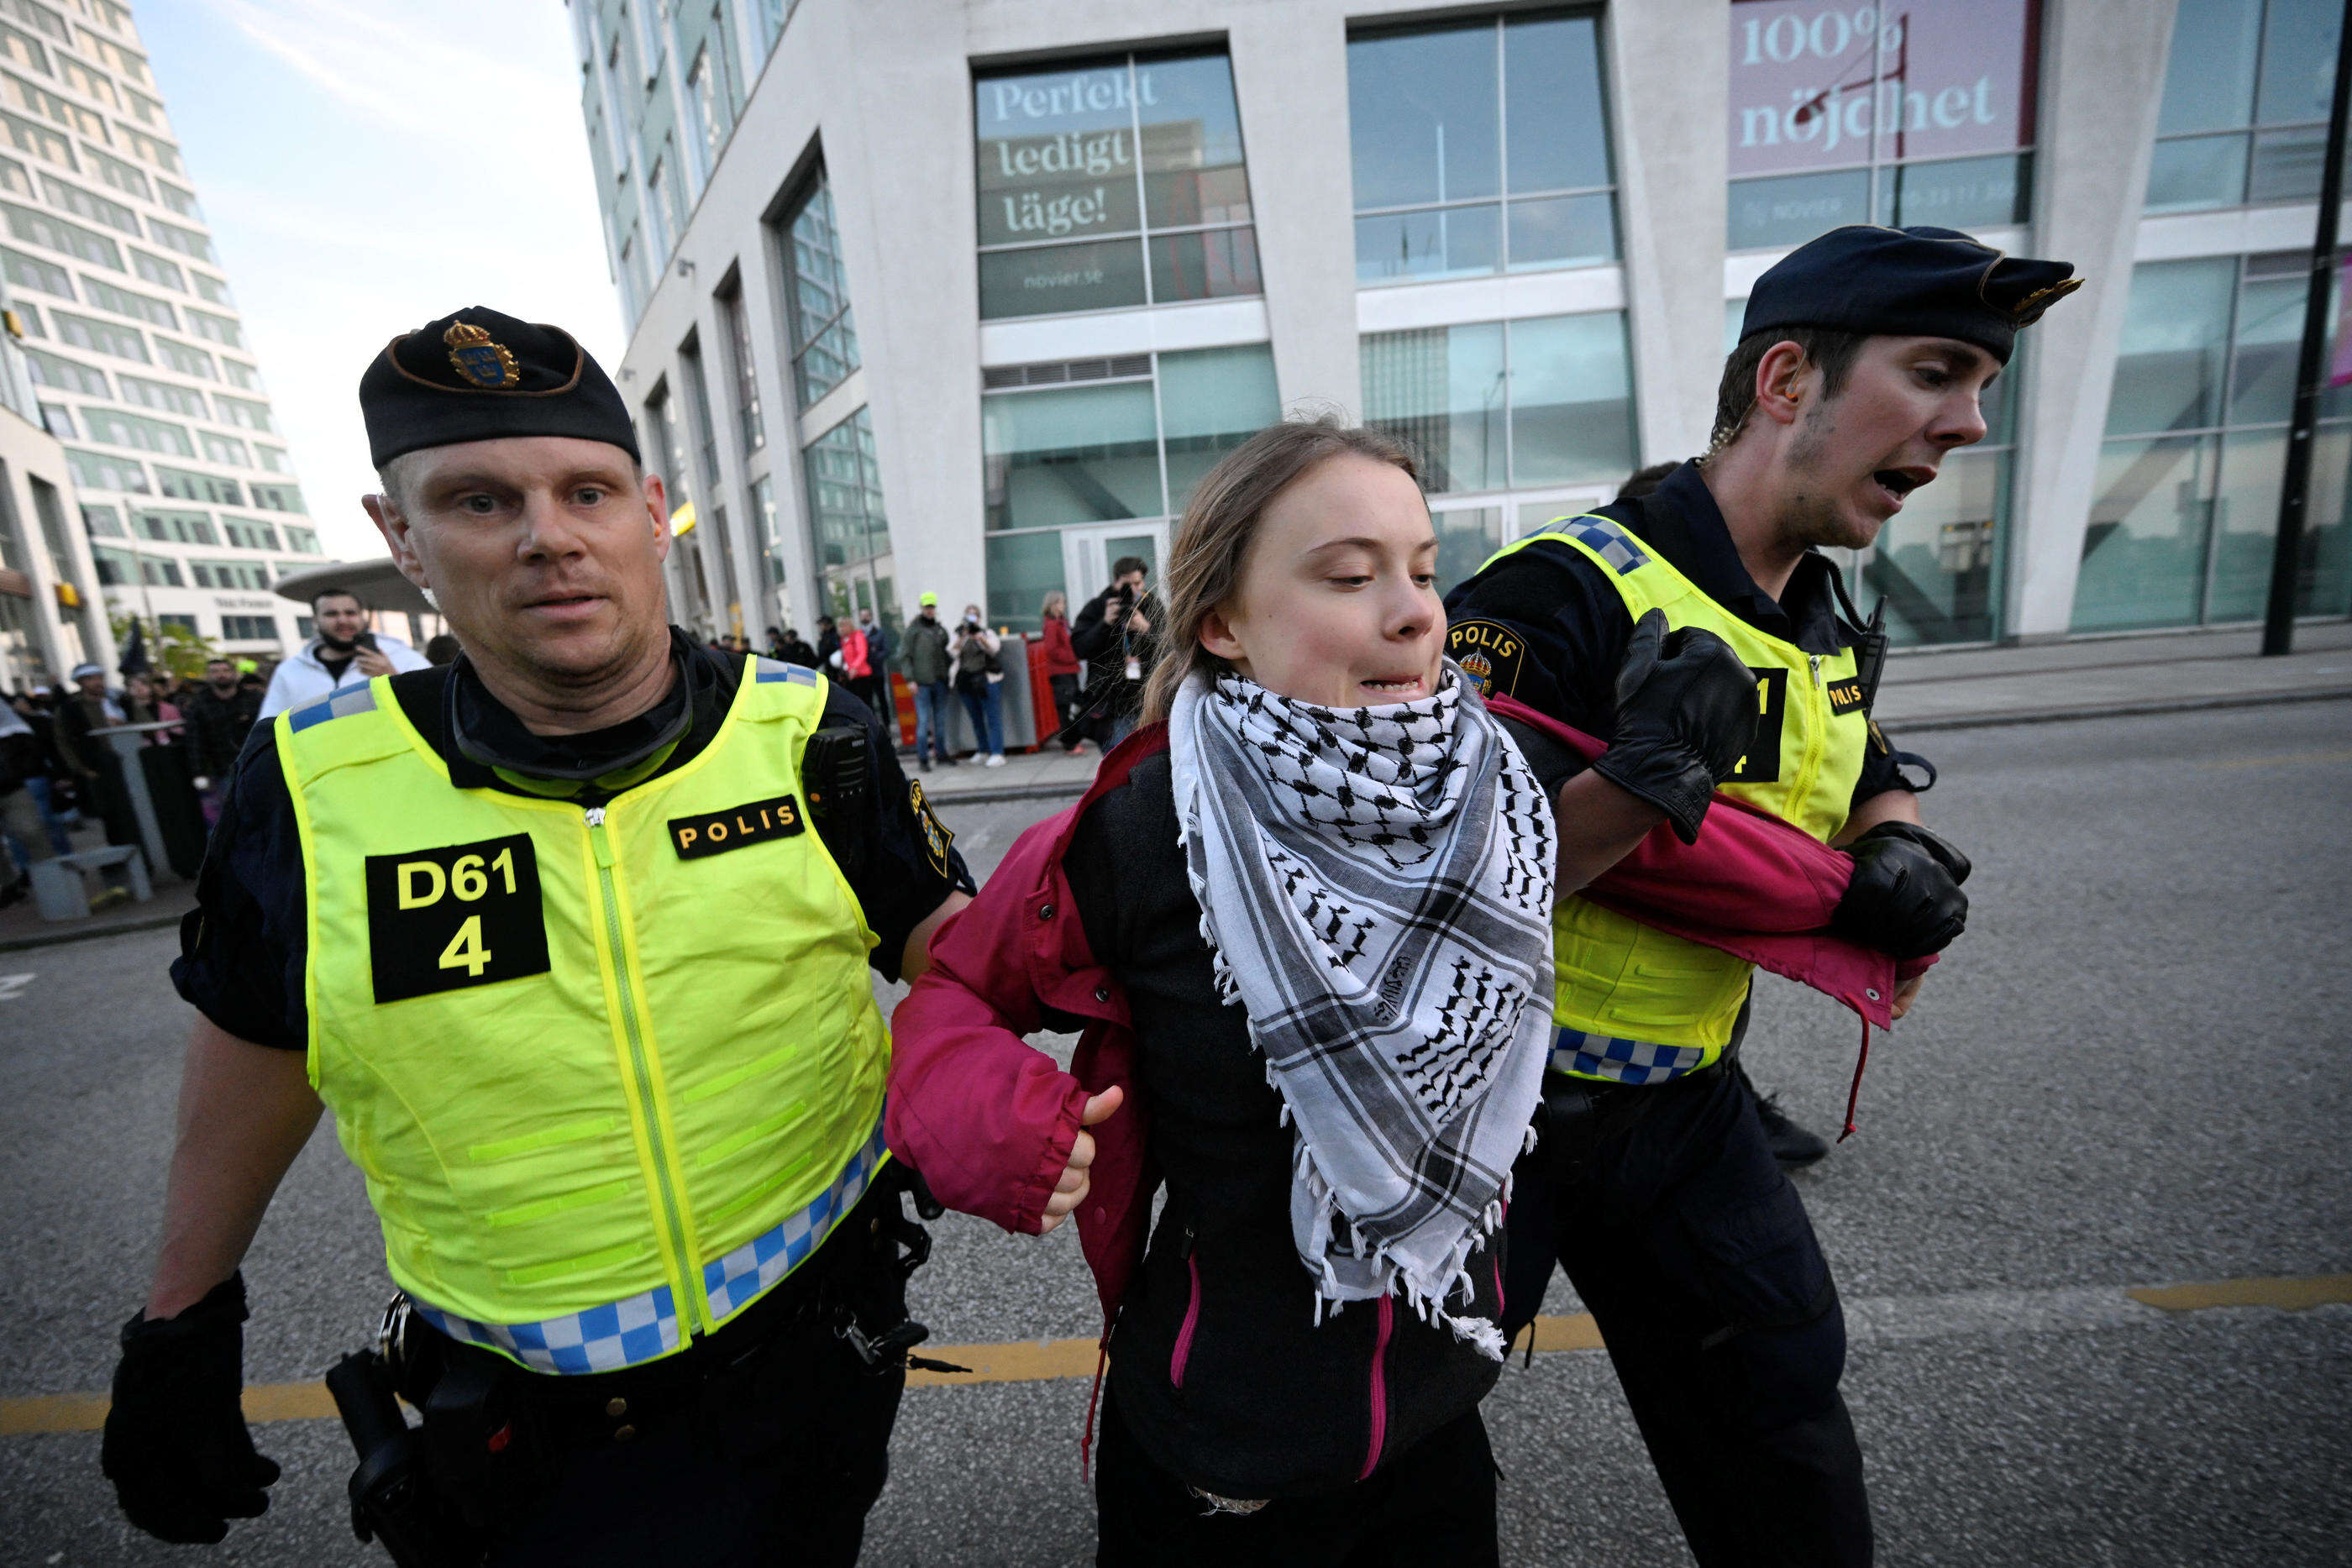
(2027,311)
(477,359)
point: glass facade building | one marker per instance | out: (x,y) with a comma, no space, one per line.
(131,338)
(1091,251)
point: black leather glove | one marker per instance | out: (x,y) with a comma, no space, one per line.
(1685,716)
(176,1449)
(1904,898)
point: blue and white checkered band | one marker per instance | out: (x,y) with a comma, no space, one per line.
(623,1334)
(1609,542)
(340,704)
(1623,1060)
(766,670)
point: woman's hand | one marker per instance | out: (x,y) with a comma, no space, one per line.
(1071,1190)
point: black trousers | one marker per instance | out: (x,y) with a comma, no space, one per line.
(1678,1229)
(1432,1504)
(783,1474)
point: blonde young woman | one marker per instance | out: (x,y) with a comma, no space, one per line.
(1303,914)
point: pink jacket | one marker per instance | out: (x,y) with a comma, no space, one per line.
(990,1121)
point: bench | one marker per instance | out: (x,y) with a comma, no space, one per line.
(65,886)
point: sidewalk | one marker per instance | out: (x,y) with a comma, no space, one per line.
(1928,690)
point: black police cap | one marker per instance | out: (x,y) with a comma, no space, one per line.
(480,375)
(1908,283)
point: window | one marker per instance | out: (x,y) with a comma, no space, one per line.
(272,458)
(772,533)
(89,205)
(88,82)
(66,375)
(219,329)
(1116,183)
(33,13)
(156,151)
(816,295)
(123,302)
(1480,147)
(278,497)
(846,523)
(187,241)
(52,105)
(225,449)
(180,201)
(40,228)
(31,136)
(14,178)
(120,429)
(244,574)
(709,99)
(210,288)
(162,395)
(2244,114)
(1858,115)
(58,421)
(100,337)
(127,178)
(1104,441)
(100,522)
(156,269)
(121,568)
(240,374)
(103,471)
(246,534)
(1502,405)
(249,629)
(2188,493)
(181,485)
(31,272)
(744,371)
(187,361)
(304,540)
(659,203)
(239,410)
(176,528)
(24,49)
(705,434)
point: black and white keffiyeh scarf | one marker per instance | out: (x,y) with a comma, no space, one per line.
(1376,891)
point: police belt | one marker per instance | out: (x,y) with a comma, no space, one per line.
(814,1303)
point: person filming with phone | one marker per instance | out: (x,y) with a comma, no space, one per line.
(1113,633)
(344,652)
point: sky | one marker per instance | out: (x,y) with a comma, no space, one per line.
(367,167)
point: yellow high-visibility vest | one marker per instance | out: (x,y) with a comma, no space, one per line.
(610,1072)
(1637,1004)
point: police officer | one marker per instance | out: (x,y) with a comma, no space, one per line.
(1861,366)
(572,937)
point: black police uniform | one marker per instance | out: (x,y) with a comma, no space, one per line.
(1663,1202)
(720,1451)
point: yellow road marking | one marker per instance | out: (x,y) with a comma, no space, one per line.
(1038,1361)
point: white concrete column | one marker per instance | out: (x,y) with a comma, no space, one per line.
(1290,79)
(1669,64)
(763,318)
(899,140)
(2102,75)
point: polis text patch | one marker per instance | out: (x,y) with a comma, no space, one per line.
(756,823)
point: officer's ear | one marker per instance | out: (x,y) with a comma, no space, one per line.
(1784,380)
(657,509)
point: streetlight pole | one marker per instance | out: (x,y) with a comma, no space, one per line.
(2294,492)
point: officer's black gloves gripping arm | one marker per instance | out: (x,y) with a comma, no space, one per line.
(1685,716)
(176,1447)
(1904,898)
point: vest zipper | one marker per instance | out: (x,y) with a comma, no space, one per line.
(693,1311)
(1817,740)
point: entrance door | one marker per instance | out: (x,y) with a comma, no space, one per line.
(1087,554)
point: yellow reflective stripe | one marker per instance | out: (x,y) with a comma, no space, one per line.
(586,1198)
(737,1142)
(729,1079)
(737,1205)
(585,1263)
(547,1138)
